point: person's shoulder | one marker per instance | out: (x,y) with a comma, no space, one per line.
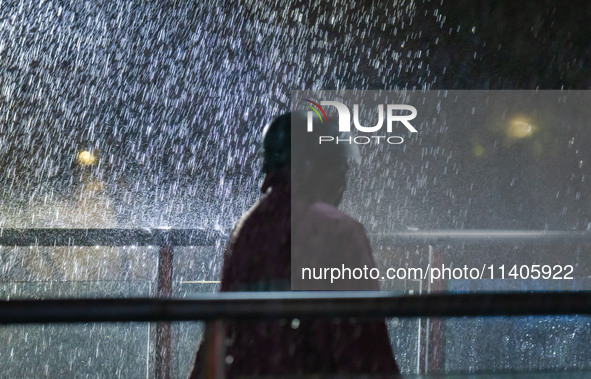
(329,211)
(270,208)
(250,216)
(244,226)
(324,212)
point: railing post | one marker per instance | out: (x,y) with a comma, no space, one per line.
(436,332)
(163,329)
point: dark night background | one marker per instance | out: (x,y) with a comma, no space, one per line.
(171,98)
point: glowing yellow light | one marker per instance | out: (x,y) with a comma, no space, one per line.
(520,128)
(86,158)
(478,150)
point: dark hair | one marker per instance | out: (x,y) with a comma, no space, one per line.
(294,156)
(288,145)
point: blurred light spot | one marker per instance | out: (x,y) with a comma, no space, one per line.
(478,150)
(520,128)
(94,185)
(86,158)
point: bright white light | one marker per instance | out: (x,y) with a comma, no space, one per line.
(520,128)
(86,158)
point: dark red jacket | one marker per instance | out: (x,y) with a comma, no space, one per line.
(258,258)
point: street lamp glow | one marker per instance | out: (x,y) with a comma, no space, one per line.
(520,128)
(86,158)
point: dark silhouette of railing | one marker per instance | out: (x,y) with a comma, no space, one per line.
(108,237)
(203,237)
(275,305)
(166,239)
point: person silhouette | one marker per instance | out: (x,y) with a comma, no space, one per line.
(295,223)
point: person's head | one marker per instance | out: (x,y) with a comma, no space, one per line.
(293,155)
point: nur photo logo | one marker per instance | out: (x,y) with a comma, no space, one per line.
(394,113)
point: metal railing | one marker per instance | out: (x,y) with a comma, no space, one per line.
(276,305)
(78,310)
(203,237)
(162,309)
(108,237)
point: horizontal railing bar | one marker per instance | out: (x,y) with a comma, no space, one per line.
(273,305)
(203,237)
(108,237)
(484,235)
